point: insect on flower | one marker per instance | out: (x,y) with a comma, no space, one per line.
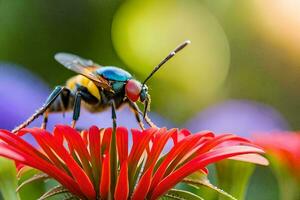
(98,87)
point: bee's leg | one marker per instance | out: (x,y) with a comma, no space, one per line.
(113,113)
(113,107)
(147,119)
(62,105)
(149,122)
(104,98)
(54,94)
(76,109)
(45,120)
(135,109)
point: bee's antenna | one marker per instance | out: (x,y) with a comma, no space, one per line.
(180,47)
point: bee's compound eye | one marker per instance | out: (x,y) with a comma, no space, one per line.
(133,89)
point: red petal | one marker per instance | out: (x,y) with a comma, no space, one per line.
(179,135)
(95,145)
(204,170)
(17,142)
(122,144)
(74,138)
(143,186)
(95,150)
(252,158)
(19,166)
(189,151)
(34,161)
(12,153)
(219,140)
(79,175)
(106,140)
(122,186)
(182,148)
(159,142)
(140,142)
(105,177)
(77,144)
(84,136)
(185,132)
(198,163)
(36,133)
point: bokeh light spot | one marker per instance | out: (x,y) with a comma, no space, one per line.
(144,32)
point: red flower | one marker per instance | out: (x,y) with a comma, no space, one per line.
(97,163)
(285,147)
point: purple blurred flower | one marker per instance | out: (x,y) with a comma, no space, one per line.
(241,117)
(21,94)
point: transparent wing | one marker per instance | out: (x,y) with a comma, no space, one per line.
(82,66)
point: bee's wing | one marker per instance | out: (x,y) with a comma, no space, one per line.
(83,67)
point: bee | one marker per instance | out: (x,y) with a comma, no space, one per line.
(96,88)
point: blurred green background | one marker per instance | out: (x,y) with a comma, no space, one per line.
(240,50)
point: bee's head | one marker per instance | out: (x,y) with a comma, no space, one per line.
(136,91)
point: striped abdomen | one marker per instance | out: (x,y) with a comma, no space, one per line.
(65,101)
